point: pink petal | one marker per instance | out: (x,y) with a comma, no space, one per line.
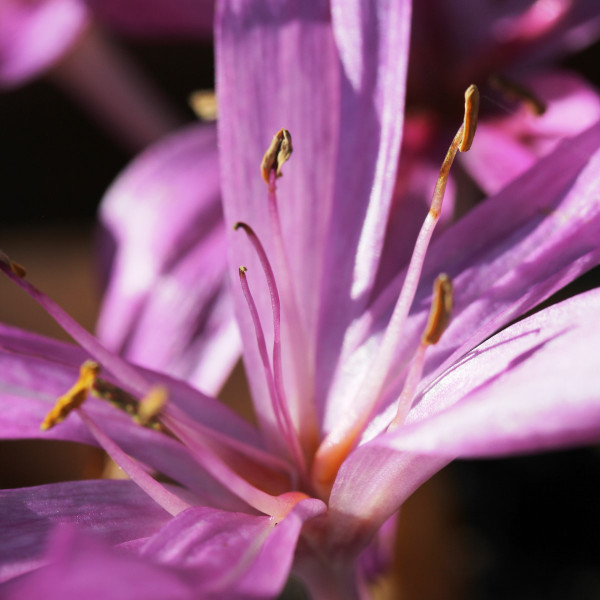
(233,555)
(117,510)
(532,387)
(524,244)
(34,34)
(167,304)
(85,567)
(339,88)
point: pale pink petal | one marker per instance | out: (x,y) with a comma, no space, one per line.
(233,555)
(82,566)
(34,34)
(117,510)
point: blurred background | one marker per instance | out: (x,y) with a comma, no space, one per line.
(525,528)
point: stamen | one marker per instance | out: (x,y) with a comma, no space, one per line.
(519,93)
(441,307)
(470,121)
(75,397)
(341,439)
(277,153)
(439,316)
(302,358)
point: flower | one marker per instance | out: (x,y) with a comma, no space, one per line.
(359,396)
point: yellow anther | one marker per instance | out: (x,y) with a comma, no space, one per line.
(75,397)
(152,404)
(470,122)
(204,104)
(278,152)
(441,307)
(518,92)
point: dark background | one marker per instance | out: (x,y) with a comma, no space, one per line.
(525,528)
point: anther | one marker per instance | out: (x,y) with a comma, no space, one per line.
(75,397)
(278,153)
(470,121)
(15,267)
(204,104)
(441,307)
(518,92)
(151,405)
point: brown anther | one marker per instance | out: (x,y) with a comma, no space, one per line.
(204,104)
(152,404)
(16,268)
(75,397)
(242,270)
(470,121)
(519,93)
(441,307)
(278,152)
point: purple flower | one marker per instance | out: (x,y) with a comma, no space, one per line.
(361,391)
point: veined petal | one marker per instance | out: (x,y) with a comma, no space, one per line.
(533,238)
(168,281)
(232,555)
(277,66)
(117,510)
(82,566)
(343,103)
(34,34)
(534,386)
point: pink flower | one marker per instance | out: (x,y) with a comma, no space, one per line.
(360,395)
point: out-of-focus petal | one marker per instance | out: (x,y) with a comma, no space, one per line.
(82,566)
(117,510)
(167,305)
(507,146)
(34,34)
(171,19)
(233,555)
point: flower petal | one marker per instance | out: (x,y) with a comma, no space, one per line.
(233,555)
(35,34)
(533,386)
(85,567)
(117,510)
(343,103)
(168,305)
(524,244)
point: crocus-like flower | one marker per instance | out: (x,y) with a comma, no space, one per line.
(359,396)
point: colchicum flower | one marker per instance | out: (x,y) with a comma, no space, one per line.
(362,390)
